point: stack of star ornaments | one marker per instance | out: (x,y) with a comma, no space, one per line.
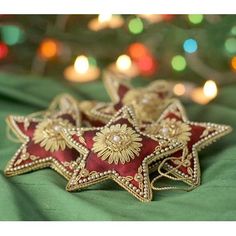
(142,131)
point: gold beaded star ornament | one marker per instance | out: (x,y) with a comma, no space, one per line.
(183,165)
(43,146)
(148,102)
(117,151)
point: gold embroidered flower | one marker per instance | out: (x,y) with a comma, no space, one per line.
(117,143)
(47,134)
(147,104)
(171,128)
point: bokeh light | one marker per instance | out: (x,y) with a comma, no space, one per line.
(233,30)
(123,62)
(147,65)
(195,18)
(190,45)
(135,25)
(210,89)
(167,17)
(102,18)
(233,63)
(3,51)
(230,45)
(81,64)
(178,63)
(137,50)
(48,49)
(92,61)
(152,18)
(12,34)
(179,89)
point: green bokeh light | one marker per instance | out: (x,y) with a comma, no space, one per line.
(230,45)
(178,63)
(136,26)
(195,18)
(233,30)
(92,61)
(12,34)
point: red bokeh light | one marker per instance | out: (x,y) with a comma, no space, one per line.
(3,50)
(167,17)
(147,65)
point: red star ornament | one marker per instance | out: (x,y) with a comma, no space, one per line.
(117,88)
(43,146)
(184,164)
(118,151)
(148,102)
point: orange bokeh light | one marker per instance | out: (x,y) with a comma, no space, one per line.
(137,51)
(233,63)
(179,89)
(48,49)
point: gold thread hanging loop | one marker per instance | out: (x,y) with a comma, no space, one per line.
(11,136)
(53,106)
(166,174)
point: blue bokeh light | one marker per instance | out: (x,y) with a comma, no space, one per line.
(190,45)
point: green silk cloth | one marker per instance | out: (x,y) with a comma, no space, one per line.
(41,195)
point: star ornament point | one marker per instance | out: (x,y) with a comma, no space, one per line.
(117,151)
(43,146)
(148,102)
(184,164)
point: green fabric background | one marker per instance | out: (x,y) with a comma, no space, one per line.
(40,195)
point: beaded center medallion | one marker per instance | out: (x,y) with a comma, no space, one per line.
(171,128)
(47,134)
(117,143)
(147,104)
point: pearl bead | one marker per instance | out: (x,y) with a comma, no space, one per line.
(145,100)
(57,128)
(116,138)
(165,130)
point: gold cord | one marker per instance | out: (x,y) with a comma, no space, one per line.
(37,113)
(11,136)
(166,174)
(53,106)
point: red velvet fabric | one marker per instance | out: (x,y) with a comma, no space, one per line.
(67,155)
(95,163)
(122,90)
(196,131)
(29,131)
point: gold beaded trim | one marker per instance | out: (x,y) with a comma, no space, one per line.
(206,139)
(38,163)
(96,111)
(112,83)
(65,103)
(170,147)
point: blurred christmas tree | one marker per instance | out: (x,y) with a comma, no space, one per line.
(186,48)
